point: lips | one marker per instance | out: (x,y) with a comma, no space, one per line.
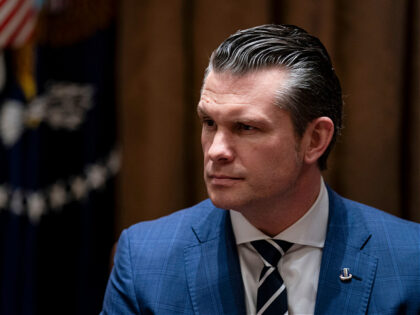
(222,180)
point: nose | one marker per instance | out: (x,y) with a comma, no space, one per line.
(220,149)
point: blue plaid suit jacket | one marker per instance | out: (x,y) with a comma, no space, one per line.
(187,263)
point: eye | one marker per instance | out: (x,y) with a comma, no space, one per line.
(208,122)
(245,127)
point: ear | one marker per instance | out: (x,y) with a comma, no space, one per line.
(318,136)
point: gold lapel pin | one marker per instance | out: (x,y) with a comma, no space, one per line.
(345,274)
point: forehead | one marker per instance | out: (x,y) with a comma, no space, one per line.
(258,88)
(252,82)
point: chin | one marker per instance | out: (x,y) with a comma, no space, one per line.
(225,202)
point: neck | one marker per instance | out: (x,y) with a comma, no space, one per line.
(274,216)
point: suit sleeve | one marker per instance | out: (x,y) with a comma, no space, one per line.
(120,296)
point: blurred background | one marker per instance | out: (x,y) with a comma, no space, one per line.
(98,128)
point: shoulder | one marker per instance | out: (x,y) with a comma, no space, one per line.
(177,224)
(388,232)
(150,254)
(381,249)
(150,245)
(374,218)
(165,236)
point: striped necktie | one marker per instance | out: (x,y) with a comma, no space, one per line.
(272,294)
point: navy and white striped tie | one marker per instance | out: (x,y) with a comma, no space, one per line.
(272,294)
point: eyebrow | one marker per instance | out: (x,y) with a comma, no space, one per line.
(249,121)
(239,119)
(201,111)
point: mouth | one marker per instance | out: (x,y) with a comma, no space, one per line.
(222,180)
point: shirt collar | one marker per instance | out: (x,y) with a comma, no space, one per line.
(311,229)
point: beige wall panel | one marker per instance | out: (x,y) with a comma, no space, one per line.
(371,49)
(151,105)
(315,16)
(414,120)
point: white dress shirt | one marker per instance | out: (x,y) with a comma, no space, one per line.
(299,267)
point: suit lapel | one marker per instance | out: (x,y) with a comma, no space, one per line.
(212,267)
(346,237)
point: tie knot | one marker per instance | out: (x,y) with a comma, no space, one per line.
(271,250)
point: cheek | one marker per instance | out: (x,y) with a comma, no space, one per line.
(204,143)
(271,161)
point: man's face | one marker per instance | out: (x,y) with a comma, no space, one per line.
(251,153)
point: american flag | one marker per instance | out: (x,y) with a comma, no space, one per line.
(17,22)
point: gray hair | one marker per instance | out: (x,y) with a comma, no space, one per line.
(312,89)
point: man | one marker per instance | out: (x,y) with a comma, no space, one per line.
(271,109)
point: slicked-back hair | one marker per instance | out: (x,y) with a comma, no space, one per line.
(312,88)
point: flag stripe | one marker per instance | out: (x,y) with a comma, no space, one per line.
(26,32)
(6,7)
(14,14)
(25,26)
(10,10)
